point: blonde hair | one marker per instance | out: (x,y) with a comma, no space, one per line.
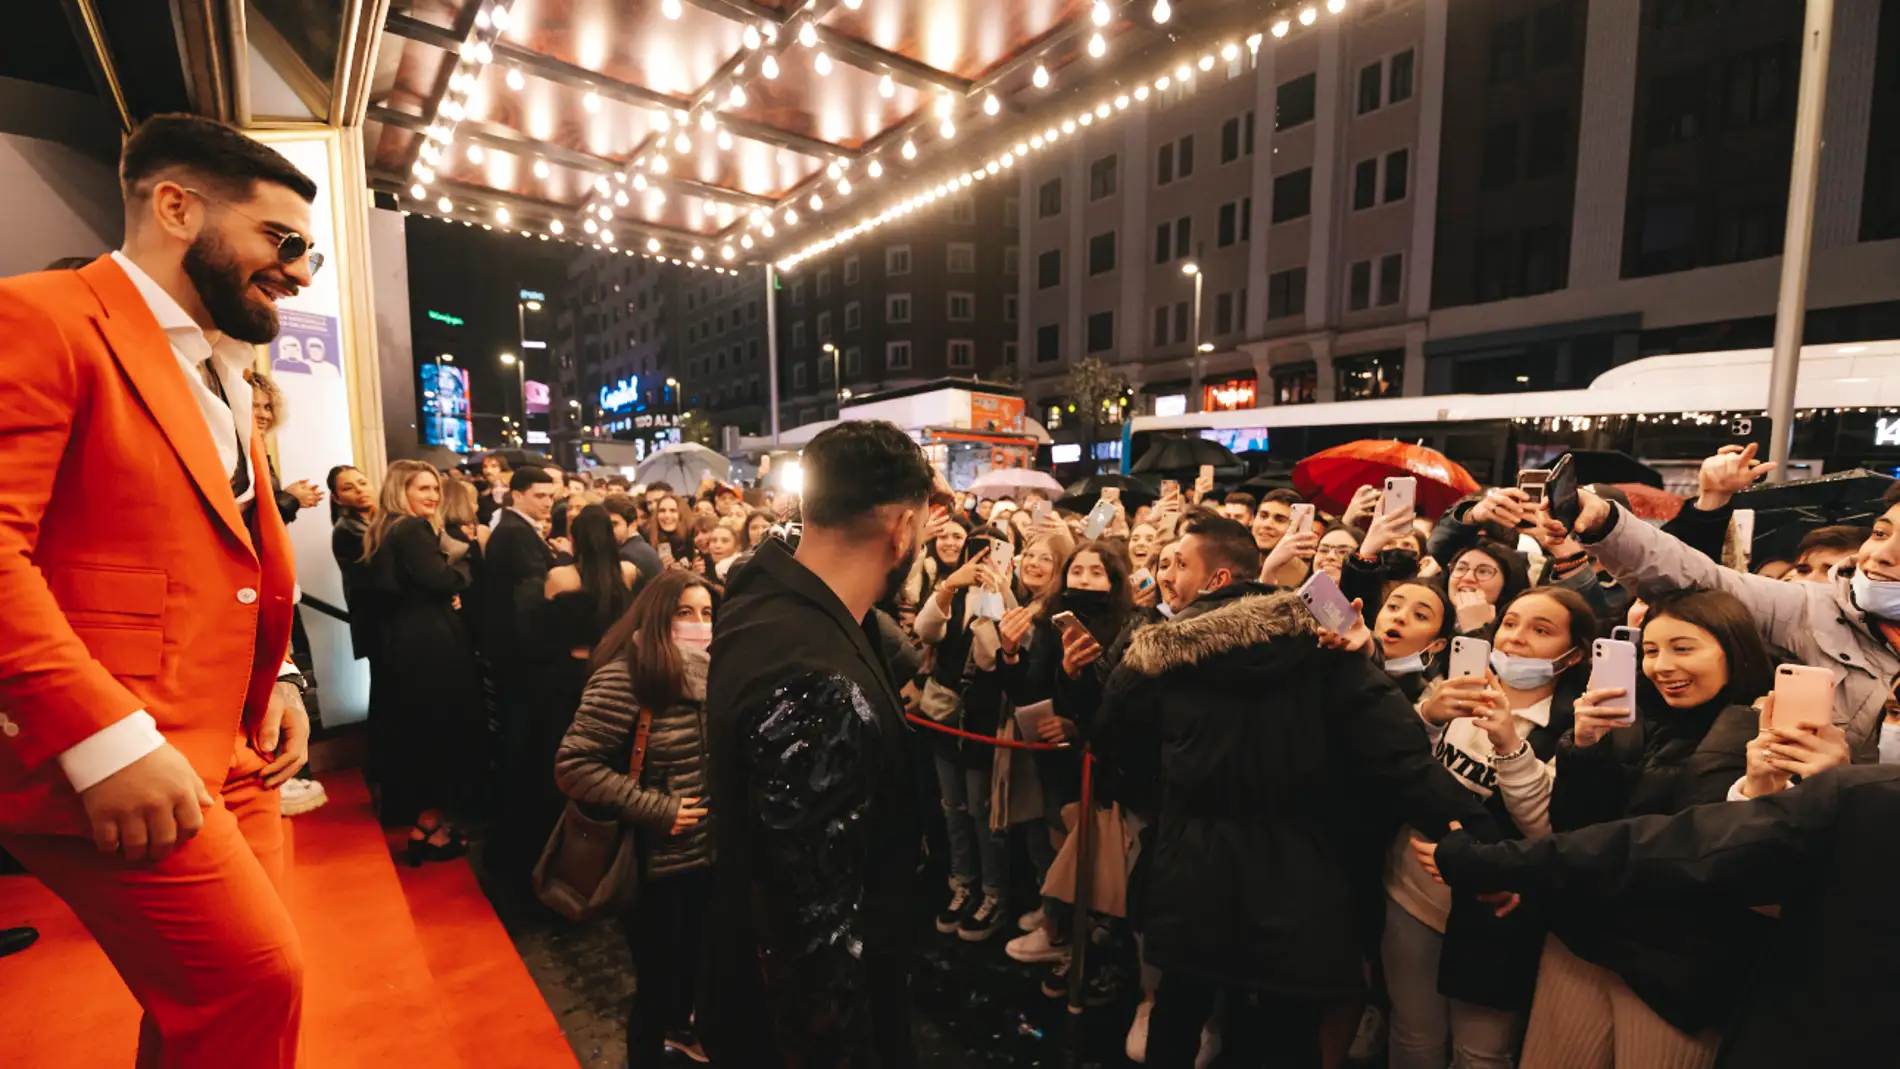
(392,504)
(264,384)
(458,503)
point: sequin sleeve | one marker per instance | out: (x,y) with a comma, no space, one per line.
(814,770)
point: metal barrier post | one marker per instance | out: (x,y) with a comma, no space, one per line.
(1084,875)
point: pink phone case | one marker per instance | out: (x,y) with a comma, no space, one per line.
(1470,658)
(1613,664)
(1804,696)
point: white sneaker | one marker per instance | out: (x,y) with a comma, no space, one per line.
(1210,1049)
(1035,947)
(1029,922)
(1137,1048)
(299,796)
(1370,1039)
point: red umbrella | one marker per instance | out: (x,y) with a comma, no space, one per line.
(1649,503)
(1329,477)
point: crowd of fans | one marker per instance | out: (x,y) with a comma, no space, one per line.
(1266,789)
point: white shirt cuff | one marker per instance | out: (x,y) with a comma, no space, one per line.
(110,749)
(1735,791)
(288,670)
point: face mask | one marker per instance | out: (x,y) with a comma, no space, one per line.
(1162,607)
(1877,597)
(1525,673)
(1084,602)
(1410,664)
(692,634)
(1890,744)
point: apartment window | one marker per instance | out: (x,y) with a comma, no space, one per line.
(851,271)
(853,316)
(1549,148)
(963,354)
(1183,236)
(824,326)
(1246,135)
(752,350)
(824,370)
(1546,264)
(1674,104)
(1164,243)
(1009,308)
(1230,140)
(1049,199)
(897,356)
(1399,78)
(1371,375)
(1184,157)
(1293,195)
(1371,84)
(1009,354)
(1756,86)
(963,209)
(853,361)
(962,258)
(1164,164)
(1012,256)
(1235,223)
(1101,332)
(1294,102)
(1359,286)
(1011,211)
(1507,51)
(1667,241)
(1049,343)
(1296,384)
(961,306)
(1049,269)
(798,295)
(1496,270)
(1102,178)
(1102,253)
(1391,278)
(1180,321)
(752,307)
(1497,165)
(798,335)
(1223,314)
(1365,184)
(798,376)
(1286,293)
(1161,325)
(897,260)
(1397,173)
(1555,26)
(897,308)
(824,290)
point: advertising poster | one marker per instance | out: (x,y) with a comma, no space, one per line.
(306,345)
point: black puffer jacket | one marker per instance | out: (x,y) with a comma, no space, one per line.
(592,764)
(1269,750)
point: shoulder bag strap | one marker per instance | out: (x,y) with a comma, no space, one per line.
(637,760)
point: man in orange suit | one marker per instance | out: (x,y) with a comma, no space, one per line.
(147,715)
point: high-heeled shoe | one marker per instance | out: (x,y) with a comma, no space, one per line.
(420,850)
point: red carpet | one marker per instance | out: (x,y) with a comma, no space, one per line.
(437,988)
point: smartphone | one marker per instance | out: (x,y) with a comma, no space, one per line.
(1531,481)
(1804,696)
(1001,554)
(1613,664)
(1560,493)
(1112,494)
(1302,522)
(1401,493)
(1470,658)
(1207,475)
(1143,579)
(1067,623)
(1170,488)
(1099,518)
(1040,511)
(666,552)
(1631,635)
(1328,603)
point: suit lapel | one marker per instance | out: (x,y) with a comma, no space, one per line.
(145,355)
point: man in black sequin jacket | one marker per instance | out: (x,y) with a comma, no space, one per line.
(816,839)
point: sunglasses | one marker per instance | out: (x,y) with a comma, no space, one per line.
(291,246)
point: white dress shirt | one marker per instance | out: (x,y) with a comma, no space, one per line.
(117,745)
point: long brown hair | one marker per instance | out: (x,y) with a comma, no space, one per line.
(682,538)
(392,506)
(644,637)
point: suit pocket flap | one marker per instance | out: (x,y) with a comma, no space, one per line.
(125,651)
(126,591)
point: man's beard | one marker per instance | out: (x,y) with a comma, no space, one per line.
(225,290)
(894,579)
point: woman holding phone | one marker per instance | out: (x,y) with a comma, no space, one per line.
(1483,578)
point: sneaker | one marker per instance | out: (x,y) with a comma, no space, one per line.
(687,1044)
(1056,984)
(1030,922)
(953,914)
(1368,1045)
(1210,1048)
(1099,989)
(1137,1048)
(984,921)
(1035,947)
(299,796)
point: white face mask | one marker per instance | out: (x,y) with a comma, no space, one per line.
(1410,664)
(692,634)
(1525,673)
(1890,744)
(1876,596)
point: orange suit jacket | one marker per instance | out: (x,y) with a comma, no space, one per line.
(128,578)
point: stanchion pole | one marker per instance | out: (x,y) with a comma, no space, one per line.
(1079,922)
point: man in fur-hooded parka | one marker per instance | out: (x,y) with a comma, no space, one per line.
(1269,752)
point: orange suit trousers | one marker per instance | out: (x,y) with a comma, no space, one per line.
(201,938)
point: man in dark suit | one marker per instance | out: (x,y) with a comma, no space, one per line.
(813,809)
(515,570)
(624,512)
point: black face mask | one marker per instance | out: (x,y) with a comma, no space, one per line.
(225,289)
(1085,604)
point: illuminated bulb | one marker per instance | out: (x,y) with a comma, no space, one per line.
(1141,92)
(670,8)
(1229,51)
(1253,42)
(501,216)
(726,253)
(682,144)
(620,198)
(1040,79)
(1036,142)
(1281,27)
(876,170)
(1085,118)
(1101,111)
(770,67)
(474,154)
(1207,63)
(1162,83)
(500,18)
(808,34)
(791,217)
(467,50)
(909,151)
(736,98)
(607,237)
(1097,46)
(1308,15)
(1022,149)
(832,170)
(640,181)
(1162,12)
(540,168)
(484,55)
(606,213)
(680,117)
(659,165)
(886,87)
(745,241)
(417,191)
(482,21)
(817,203)
(992,167)
(947,130)
(1068,126)
(453,109)
(1121,102)
(1183,73)
(1101,14)
(991,105)
(822,64)
(589,225)
(751,38)
(557,227)
(724,140)
(767,230)
(424,173)
(444,205)
(653,244)
(699,253)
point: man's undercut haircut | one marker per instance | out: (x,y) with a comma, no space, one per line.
(206,155)
(523,478)
(618,504)
(1282,496)
(1225,543)
(855,468)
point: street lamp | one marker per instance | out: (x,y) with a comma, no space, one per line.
(521,386)
(679,411)
(522,308)
(1194,270)
(837,388)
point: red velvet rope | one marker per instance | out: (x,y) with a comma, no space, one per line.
(1008,744)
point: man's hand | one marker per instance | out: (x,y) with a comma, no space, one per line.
(1507,505)
(1364,505)
(1730,471)
(148,807)
(284,736)
(1473,609)
(1290,548)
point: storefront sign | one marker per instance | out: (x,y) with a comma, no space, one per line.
(533,295)
(536,395)
(1228,396)
(1174,404)
(1887,431)
(621,396)
(994,412)
(445,318)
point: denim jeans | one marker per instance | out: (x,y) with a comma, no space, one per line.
(979,856)
(1423,1021)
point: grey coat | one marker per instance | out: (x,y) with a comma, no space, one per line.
(1816,622)
(591,765)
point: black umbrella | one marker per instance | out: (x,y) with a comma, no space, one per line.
(522,458)
(1784,512)
(1083,493)
(1271,479)
(1186,454)
(1610,466)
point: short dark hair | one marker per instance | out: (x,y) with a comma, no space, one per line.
(211,153)
(1239,497)
(526,477)
(861,465)
(622,506)
(1225,544)
(659,485)
(1891,495)
(68,263)
(1284,496)
(500,459)
(1836,536)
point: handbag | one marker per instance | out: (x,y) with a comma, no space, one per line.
(939,702)
(590,867)
(1108,861)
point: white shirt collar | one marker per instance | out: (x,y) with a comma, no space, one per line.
(1538,714)
(182,330)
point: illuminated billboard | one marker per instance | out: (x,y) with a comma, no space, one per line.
(445,407)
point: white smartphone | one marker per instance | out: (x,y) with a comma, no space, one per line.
(1099,518)
(1470,658)
(1613,664)
(1302,522)
(1401,493)
(1328,604)
(1002,555)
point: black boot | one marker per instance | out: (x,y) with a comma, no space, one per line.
(14,940)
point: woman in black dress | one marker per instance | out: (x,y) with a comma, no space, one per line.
(428,684)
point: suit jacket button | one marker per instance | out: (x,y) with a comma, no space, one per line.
(247,596)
